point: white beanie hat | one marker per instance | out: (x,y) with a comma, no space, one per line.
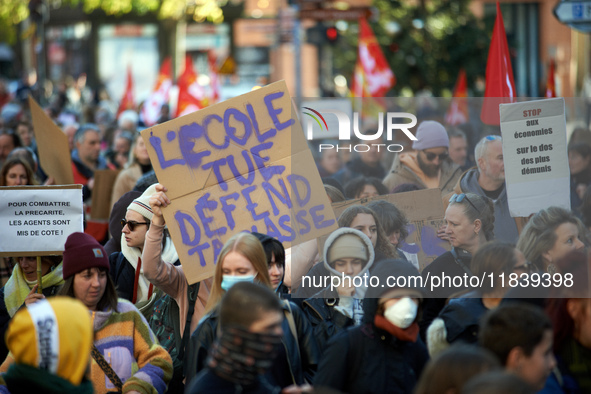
(141,204)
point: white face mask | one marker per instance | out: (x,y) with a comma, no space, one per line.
(403,313)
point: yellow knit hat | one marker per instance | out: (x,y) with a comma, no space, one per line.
(55,335)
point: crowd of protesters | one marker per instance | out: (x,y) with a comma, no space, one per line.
(117,313)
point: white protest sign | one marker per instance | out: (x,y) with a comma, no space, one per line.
(36,220)
(535,155)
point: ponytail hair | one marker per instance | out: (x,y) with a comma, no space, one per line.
(482,208)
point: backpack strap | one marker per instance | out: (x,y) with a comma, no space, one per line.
(192,293)
(100,360)
(459,262)
(292,327)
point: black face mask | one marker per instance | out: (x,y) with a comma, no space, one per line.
(240,356)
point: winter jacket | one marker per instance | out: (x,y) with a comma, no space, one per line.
(300,355)
(130,347)
(328,313)
(208,382)
(367,359)
(401,173)
(507,228)
(435,301)
(458,321)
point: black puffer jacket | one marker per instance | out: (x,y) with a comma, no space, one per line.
(294,365)
(325,309)
(367,359)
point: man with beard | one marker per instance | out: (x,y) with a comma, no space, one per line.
(488,179)
(429,165)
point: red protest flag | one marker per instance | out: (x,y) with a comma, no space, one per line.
(373,76)
(160,94)
(499,74)
(551,85)
(214,79)
(458,110)
(191,94)
(127,101)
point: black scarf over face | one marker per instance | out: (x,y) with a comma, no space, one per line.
(240,356)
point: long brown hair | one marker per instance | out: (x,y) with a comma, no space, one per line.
(109,298)
(251,248)
(383,246)
(14,161)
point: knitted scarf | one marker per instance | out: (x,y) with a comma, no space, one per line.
(133,255)
(18,288)
(409,334)
(240,356)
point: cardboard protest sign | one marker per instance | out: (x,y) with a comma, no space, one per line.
(241,165)
(36,220)
(424,211)
(52,143)
(101,193)
(535,155)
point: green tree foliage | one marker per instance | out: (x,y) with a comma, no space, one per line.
(425,42)
(12,12)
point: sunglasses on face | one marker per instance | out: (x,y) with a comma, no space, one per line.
(460,197)
(131,224)
(431,156)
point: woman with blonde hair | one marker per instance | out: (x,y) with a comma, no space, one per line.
(549,235)
(242,259)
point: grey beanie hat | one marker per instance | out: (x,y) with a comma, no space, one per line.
(430,134)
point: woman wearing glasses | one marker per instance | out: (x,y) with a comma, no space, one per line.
(469,222)
(126,266)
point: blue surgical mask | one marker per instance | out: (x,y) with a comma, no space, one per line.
(230,280)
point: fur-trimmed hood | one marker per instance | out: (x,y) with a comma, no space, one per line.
(348,230)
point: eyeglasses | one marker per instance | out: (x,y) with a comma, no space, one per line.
(131,224)
(431,156)
(460,197)
(525,267)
